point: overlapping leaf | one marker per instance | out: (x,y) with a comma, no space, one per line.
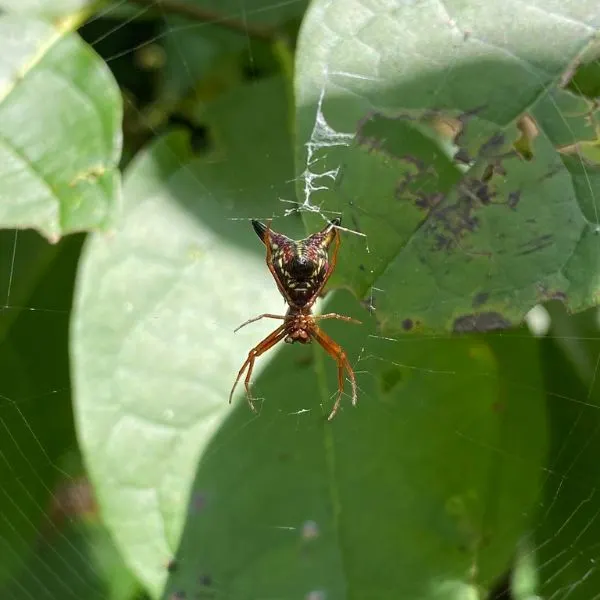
(439,132)
(60,138)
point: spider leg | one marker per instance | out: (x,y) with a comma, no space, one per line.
(259,349)
(340,317)
(337,353)
(265,315)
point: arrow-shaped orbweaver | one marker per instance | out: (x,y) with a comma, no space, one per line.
(301,269)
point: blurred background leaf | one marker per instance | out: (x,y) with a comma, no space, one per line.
(60,117)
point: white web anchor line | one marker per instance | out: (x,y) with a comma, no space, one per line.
(322,136)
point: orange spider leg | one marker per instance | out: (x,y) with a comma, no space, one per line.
(259,349)
(337,353)
(340,317)
(263,316)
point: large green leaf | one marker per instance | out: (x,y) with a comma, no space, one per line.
(409,125)
(178,256)
(60,138)
(420,490)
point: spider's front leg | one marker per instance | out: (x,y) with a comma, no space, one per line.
(339,355)
(259,349)
(340,317)
(263,316)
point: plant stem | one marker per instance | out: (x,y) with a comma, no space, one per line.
(196,13)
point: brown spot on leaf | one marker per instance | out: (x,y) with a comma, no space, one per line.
(491,147)
(428,201)
(529,131)
(407,324)
(544,294)
(480,298)
(412,179)
(558,296)
(464,119)
(486,321)
(449,223)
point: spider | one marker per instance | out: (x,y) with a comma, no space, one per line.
(301,270)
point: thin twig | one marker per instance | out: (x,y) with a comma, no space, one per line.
(196,13)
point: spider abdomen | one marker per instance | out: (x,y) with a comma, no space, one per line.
(302,269)
(300,266)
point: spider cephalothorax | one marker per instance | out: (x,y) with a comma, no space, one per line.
(301,269)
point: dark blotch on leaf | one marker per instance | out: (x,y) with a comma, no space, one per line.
(491,146)
(487,321)
(407,324)
(513,199)
(536,244)
(428,201)
(306,360)
(205,580)
(561,296)
(172,566)
(544,294)
(462,156)
(480,298)
(390,379)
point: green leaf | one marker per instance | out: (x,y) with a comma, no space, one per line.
(420,490)
(60,138)
(146,301)
(410,124)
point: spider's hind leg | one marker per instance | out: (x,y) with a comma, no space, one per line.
(248,365)
(339,355)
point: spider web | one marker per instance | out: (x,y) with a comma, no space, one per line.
(72,556)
